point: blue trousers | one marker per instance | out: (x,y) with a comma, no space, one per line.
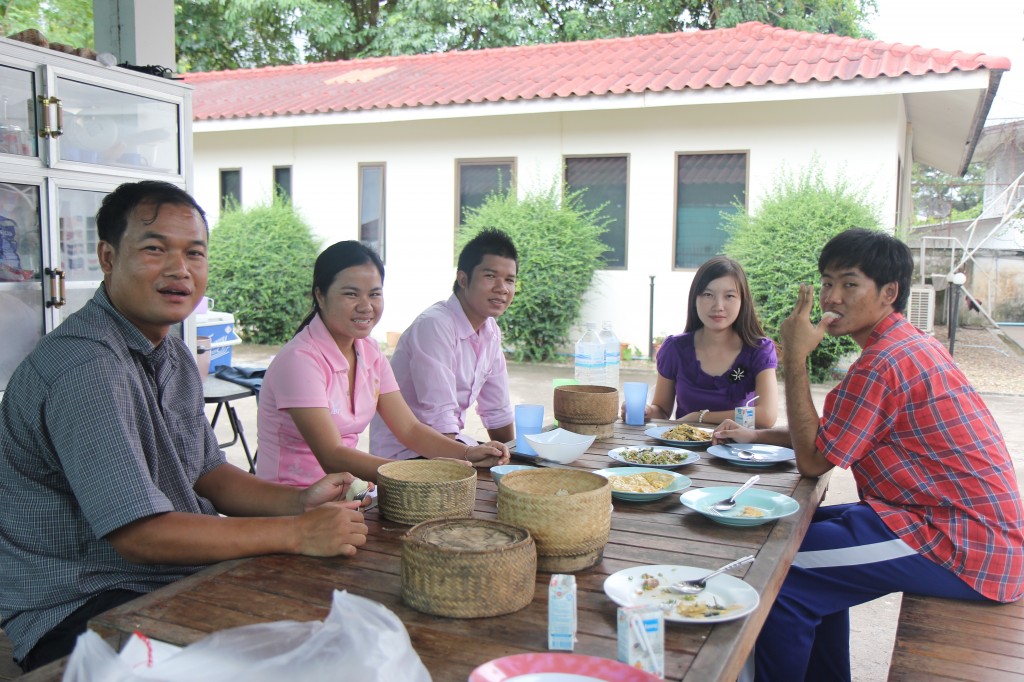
(848,557)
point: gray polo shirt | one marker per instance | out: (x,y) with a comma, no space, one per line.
(98,428)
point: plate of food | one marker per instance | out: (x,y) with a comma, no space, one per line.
(642,484)
(725,597)
(681,434)
(661,458)
(555,667)
(753,507)
(752,454)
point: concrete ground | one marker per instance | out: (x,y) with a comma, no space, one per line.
(873,625)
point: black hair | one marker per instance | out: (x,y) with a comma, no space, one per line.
(117,207)
(746,324)
(879,255)
(331,261)
(489,242)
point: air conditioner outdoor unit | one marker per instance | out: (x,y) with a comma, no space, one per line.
(921,307)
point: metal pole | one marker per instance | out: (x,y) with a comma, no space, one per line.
(650,324)
(954,316)
(957,280)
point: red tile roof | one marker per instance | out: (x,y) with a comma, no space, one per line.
(750,54)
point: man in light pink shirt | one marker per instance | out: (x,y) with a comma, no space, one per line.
(450,357)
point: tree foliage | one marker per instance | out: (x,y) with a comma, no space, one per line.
(940,196)
(225,34)
(61,21)
(560,247)
(261,270)
(778,246)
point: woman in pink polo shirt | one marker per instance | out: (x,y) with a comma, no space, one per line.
(324,386)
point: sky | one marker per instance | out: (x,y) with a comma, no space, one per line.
(995,27)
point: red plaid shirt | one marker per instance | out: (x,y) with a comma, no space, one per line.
(929,458)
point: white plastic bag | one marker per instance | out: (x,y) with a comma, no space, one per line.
(360,639)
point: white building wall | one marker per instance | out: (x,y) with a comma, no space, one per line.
(861,138)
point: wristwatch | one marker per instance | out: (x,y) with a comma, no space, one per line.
(700,419)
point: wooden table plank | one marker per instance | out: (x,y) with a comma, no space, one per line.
(662,532)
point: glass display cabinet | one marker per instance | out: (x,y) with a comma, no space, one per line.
(71,130)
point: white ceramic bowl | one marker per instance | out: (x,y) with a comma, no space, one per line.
(559,445)
(499,471)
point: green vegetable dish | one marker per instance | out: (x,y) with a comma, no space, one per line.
(652,456)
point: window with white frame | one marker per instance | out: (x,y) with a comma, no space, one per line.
(603,184)
(283,182)
(230,188)
(479,178)
(708,187)
(371,206)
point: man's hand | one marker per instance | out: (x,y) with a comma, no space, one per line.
(799,336)
(488,454)
(731,432)
(331,529)
(330,488)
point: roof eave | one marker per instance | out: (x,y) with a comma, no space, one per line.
(859,87)
(995,75)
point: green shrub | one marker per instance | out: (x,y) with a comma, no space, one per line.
(261,270)
(779,245)
(559,249)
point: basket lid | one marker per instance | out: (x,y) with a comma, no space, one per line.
(466,535)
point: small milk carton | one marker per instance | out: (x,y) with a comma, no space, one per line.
(642,638)
(745,416)
(562,612)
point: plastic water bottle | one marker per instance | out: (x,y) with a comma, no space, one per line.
(612,352)
(590,357)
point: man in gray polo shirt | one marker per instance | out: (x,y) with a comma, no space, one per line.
(112,480)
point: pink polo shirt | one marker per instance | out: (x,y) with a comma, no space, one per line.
(310,371)
(444,366)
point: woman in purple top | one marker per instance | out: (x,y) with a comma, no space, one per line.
(723,359)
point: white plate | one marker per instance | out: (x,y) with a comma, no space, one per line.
(766,455)
(679,482)
(688,456)
(657,431)
(625,589)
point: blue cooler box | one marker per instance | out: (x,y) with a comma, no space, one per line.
(220,327)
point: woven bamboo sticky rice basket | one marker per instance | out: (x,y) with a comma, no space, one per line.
(586,409)
(567,511)
(416,490)
(468,568)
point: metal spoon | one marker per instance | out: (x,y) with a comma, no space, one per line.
(695,585)
(748,454)
(728,504)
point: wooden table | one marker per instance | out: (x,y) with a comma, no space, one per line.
(664,532)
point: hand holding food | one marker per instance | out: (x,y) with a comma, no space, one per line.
(356,489)
(331,529)
(799,336)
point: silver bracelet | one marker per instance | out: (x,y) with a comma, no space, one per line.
(700,419)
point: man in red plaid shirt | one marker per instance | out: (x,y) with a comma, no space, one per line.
(940,510)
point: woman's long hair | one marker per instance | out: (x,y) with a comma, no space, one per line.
(746,324)
(334,259)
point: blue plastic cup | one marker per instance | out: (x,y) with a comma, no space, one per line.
(636,401)
(529,420)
